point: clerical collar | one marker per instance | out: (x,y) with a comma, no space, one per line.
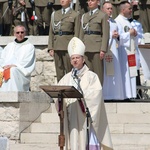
(93,11)
(130,19)
(21,41)
(111,19)
(66,10)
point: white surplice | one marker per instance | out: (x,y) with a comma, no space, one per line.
(112,86)
(75,120)
(23,56)
(125,43)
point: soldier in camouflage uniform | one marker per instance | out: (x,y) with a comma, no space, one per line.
(32,19)
(5,17)
(142,13)
(20,14)
(43,10)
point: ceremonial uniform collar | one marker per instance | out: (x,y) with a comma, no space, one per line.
(66,10)
(93,11)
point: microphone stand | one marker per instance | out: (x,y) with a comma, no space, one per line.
(88,115)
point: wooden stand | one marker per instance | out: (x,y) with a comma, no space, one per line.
(147,46)
(61,92)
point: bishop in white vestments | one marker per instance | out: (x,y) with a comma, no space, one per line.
(75,126)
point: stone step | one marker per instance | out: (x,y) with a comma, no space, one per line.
(127,108)
(120,142)
(114,128)
(131,139)
(128,118)
(37,138)
(49,118)
(131,147)
(130,128)
(20,146)
(45,128)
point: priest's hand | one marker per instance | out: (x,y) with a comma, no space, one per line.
(133,32)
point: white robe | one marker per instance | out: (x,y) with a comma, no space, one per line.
(23,56)
(75,119)
(128,81)
(113,86)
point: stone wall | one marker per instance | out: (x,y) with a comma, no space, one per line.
(44,73)
(19,109)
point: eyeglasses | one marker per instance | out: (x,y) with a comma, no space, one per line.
(22,32)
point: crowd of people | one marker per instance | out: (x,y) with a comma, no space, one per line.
(35,15)
(110,42)
(111,39)
(111,45)
(105,63)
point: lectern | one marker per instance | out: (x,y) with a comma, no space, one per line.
(61,92)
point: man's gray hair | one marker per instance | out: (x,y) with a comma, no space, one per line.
(19,26)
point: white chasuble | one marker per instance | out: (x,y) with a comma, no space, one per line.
(75,126)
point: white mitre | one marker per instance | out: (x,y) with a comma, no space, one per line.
(76,46)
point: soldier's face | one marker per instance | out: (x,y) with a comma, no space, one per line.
(93,4)
(65,3)
(107,8)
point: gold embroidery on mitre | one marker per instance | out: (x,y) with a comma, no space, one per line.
(74,45)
